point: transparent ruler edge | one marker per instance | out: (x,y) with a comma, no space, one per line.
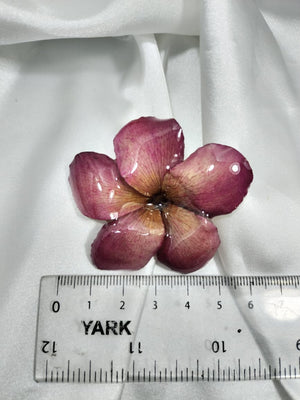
(176,280)
(270,372)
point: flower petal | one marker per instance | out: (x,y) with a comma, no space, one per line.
(99,190)
(214,179)
(190,242)
(129,242)
(146,148)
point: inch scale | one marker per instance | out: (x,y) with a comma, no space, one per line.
(161,328)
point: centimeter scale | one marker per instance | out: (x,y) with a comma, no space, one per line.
(136,328)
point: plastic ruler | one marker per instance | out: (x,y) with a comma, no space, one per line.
(137,328)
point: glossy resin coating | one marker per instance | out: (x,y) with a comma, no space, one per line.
(158,203)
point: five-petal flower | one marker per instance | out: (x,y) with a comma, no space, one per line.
(154,202)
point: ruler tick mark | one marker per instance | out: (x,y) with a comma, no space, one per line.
(57,285)
(46,378)
(68,371)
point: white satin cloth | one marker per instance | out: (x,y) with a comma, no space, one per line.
(72,73)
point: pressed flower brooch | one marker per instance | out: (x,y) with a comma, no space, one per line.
(154,202)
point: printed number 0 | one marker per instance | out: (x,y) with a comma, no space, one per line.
(55,306)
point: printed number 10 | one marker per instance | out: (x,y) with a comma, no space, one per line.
(218,346)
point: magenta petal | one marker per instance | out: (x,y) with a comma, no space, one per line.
(129,242)
(146,148)
(190,242)
(99,190)
(214,179)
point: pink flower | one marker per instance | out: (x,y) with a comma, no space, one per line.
(156,202)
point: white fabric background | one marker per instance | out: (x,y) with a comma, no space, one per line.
(72,73)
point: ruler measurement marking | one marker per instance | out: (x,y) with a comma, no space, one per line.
(57,285)
(182,372)
(91,285)
(111,370)
(187,288)
(250,287)
(259,368)
(133,370)
(46,377)
(123,287)
(279,367)
(68,371)
(219,287)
